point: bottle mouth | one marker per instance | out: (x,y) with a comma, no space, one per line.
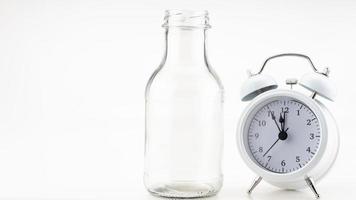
(186,18)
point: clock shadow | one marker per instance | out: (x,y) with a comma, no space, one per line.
(264,193)
(281,194)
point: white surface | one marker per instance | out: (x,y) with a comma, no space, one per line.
(72,79)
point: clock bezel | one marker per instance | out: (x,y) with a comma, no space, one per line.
(247,156)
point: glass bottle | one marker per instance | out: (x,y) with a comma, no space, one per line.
(184,113)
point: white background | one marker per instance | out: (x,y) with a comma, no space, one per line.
(73,74)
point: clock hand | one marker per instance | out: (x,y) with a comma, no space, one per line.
(281,120)
(274,119)
(281,136)
(271,147)
(284,120)
(282,133)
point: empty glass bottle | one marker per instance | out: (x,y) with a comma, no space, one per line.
(184,114)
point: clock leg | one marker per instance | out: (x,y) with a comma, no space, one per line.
(313,95)
(312,187)
(254,184)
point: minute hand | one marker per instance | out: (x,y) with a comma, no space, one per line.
(282,120)
(280,137)
(271,147)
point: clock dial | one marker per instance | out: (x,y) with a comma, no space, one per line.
(283,135)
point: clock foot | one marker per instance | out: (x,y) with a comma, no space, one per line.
(312,187)
(254,184)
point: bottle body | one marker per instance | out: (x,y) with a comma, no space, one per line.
(184,122)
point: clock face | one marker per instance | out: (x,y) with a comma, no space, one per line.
(283,135)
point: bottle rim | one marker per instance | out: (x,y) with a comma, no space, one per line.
(186,18)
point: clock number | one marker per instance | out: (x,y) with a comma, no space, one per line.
(297,159)
(262,123)
(270,113)
(257,135)
(269,158)
(298,112)
(309,122)
(308,149)
(285,109)
(283,163)
(312,136)
(260,149)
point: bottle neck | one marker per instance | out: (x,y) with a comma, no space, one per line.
(185,46)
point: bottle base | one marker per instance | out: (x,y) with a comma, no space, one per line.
(184,189)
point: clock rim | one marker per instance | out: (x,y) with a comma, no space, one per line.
(243,131)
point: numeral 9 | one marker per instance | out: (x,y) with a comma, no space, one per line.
(257,135)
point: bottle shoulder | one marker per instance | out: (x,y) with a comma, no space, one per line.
(185,80)
(189,76)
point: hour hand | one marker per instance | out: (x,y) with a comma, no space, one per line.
(274,119)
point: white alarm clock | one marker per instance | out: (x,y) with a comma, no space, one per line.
(286,137)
